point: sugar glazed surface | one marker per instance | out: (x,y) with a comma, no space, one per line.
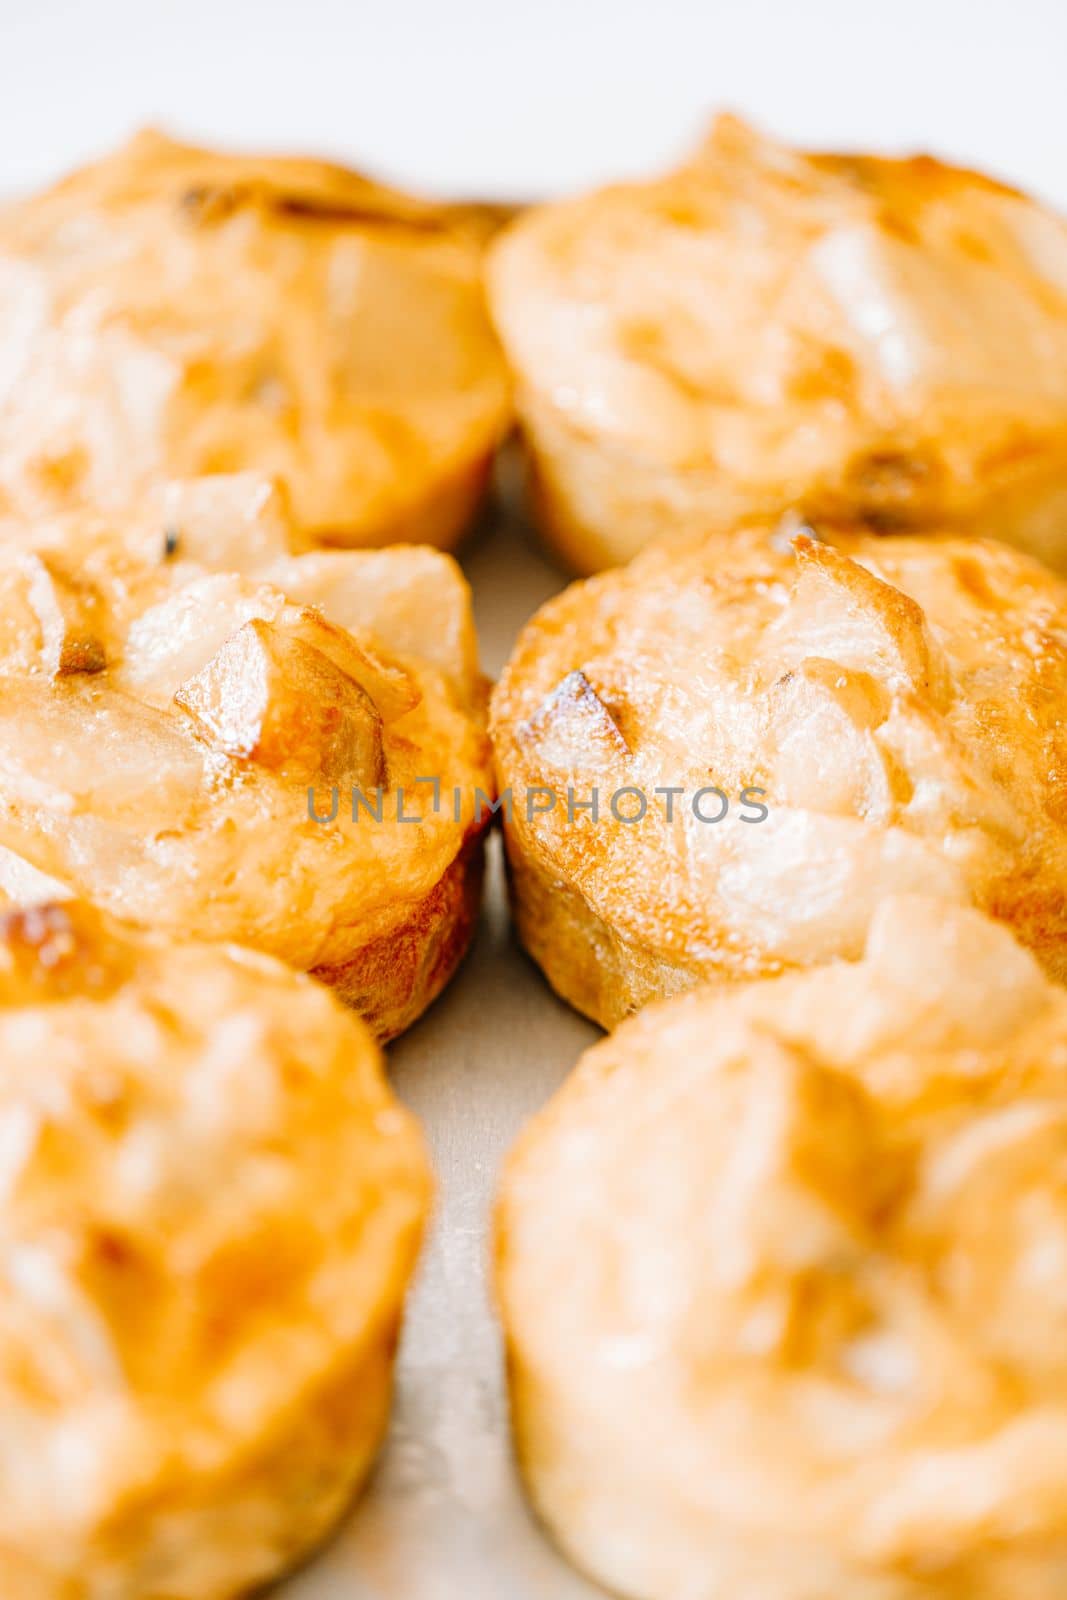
(173,689)
(763,328)
(170,312)
(212,1205)
(898,701)
(813,1232)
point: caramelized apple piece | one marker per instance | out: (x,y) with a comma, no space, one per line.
(70,616)
(173,639)
(842,612)
(271,697)
(234,520)
(817,741)
(413,600)
(77,746)
(958,789)
(574,728)
(393,691)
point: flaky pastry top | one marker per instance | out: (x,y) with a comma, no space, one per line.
(164,713)
(210,1199)
(171,312)
(855,335)
(812,1233)
(898,702)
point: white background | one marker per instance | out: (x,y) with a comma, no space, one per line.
(517,99)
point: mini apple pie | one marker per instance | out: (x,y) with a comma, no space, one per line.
(292,756)
(212,1207)
(849,336)
(720,759)
(781,1269)
(171,312)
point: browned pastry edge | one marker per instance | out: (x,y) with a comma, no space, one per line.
(392,980)
(302,1464)
(306,1461)
(216,1465)
(572,480)
(441,517)
(596,505)
(604,976)
(607,977)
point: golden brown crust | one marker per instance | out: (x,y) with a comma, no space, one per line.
(895,702)
(171,778)
(395,978)
(212,1210)
(177,312)
(589,963)
(779,1271)
(852,337)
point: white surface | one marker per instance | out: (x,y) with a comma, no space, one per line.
(519,98)
(443,1518)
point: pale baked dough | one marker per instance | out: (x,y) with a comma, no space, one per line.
(782,1270)
(763,328)
(172,312)
(162,724)
(899,703)
(212,1207)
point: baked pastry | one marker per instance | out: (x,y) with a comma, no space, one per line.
(836,721)
(781,1270)
(212,1206)
(289,757)
(172,312)
(845,335)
